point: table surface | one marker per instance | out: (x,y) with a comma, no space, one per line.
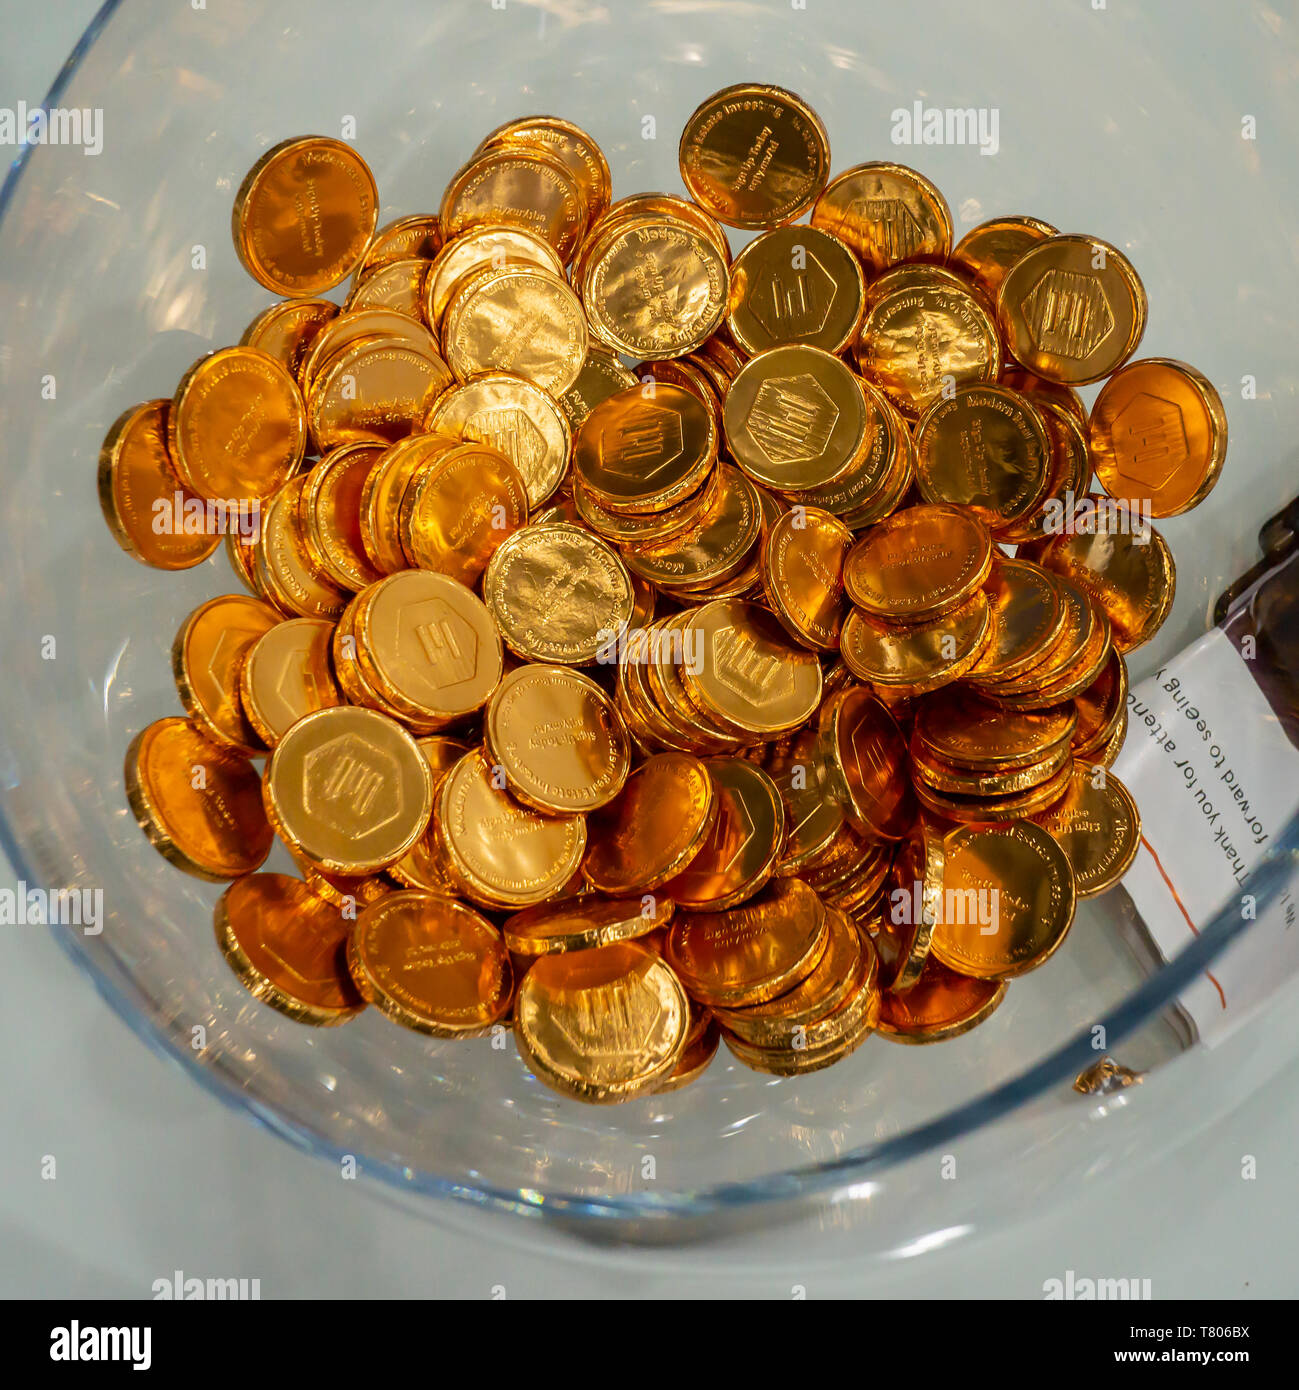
(153,1176)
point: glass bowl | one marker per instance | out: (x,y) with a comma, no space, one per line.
(1124,121)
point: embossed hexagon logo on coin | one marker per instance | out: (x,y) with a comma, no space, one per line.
(296,677)
(348,782)
(1153,431)
(642,443)
(446,639)
(1067,313)
(219,665)
(313,957)
(739,828)
(890,224)
(792,418)
(747,672)
(601,1022)
(510,431)
(794,303)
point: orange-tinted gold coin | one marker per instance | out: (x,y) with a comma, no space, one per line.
(330,512)
(653,828)
(795,285)
(795,418)
(602,376)
(940,1005)
(985,448)
(431,964)
(747,838)
(970,732)
(1097,824)
(362,327)
(376,391)
(151,515)
(503,854)
(887,213)
(205,659)
(282,565)
(288,947)
(517,186)
(753,953)
(518,319)
(417,237)
(237,427)
(1072,309)
(200,806)
(349,789)
(570,144)
(481,248)
(645,449)
(919,563)
(558,593)
(802,575)
(288,329)
(987,252)
(866,757)
(286,675)
(398,286)
(304,215)
(754,155)
(1028,615)
(514,417)
(1023,891)
(582,923)
(1158,435)
(921,656)
(605,1025)
(559,739)
(918,344)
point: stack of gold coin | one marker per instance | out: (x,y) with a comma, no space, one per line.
(642,645)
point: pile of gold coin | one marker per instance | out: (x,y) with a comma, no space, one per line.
(645,645)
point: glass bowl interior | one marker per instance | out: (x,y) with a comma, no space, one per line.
(1123,121)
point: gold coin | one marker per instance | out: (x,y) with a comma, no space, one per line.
(427,645)
(1159,435)
(866,758)
(605,1025)
(330,512)
(517,319)
(1072,309)
(939,1006)
(288,948)
(517,186)
(812,818)
(558,593)
(383,498)
(740,854)
(398,286)
(745,671)
(341,890)
(1024,887)
(914,275)
(873,473)
(653,287)
(750,954)
(570,144)
(795,418)
(283,567)
(478,249)
(1132,582)
(376,391)
(913,907)
(887,213)
(917,344)
(987,252)
(690,377)
(602,376)
(698,1055)
(458,508)
(1088,664)
(653,828)
(1039,389)
(200,805)
(658,207)
(985,448)
(236,427)
(205,659)
(1097,824)
(918,564)
(1101,705)
(558,738)
(304,216)
(1071,471)
(802,575)
(583,923)
(1078,632)
(1028,614)
(425,866)
(503,854)
(919,657)
(515,418)
(138,485)
(431,964)
(417,237)
(714,547)
(795,285)
(935,772)
(673,523)
(288,330)
(754,155)
(646,449)
(963,729)
(286,675)
(349,789)
(996,808)
(362,326)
